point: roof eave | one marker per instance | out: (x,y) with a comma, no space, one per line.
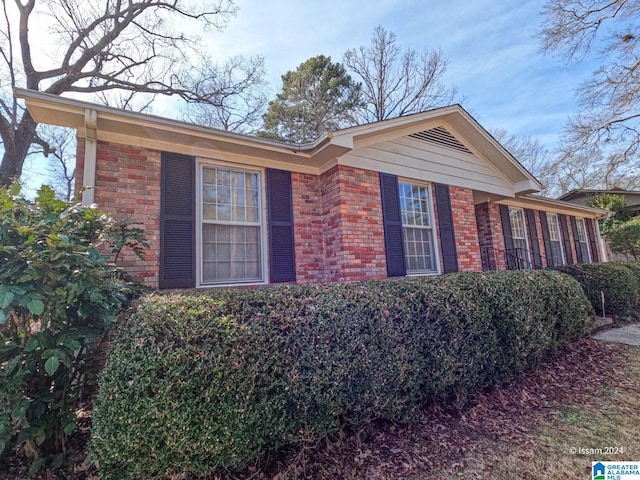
(69,112)
(560,206)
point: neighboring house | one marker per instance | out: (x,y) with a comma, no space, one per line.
(422,194)
(582,196)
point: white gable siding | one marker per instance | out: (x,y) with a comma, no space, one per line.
(411,158)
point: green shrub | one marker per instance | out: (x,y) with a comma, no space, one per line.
(202,382)
(634,267)
(619,283)
(57,296)
(625,238)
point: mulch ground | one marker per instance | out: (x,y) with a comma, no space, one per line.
(441,439)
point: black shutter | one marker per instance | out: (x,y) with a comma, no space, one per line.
(447,233)
(546,238)
(506,227)
(177,221)
(282,261)
(393,241)
(508,237)
(565,238)
(593,239)
(576,240)
(533,237)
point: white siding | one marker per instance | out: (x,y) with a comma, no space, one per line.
(416,159)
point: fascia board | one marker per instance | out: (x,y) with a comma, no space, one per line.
(555,206)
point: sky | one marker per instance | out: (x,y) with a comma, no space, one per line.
(503,79)
(495,61)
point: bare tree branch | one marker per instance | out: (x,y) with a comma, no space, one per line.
(236,98)
(600,146)
(134,46)
(532,154)
(396,83)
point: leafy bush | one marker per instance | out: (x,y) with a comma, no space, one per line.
(619,284)
(202,382)
(617,204)
(625,239)
(634,267)
(58,294)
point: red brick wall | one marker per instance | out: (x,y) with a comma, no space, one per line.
(490,235)
(128,187)
(339,232)
(540,239)
(353,229)
(309,224)
(79,164)
(574,254)
(330,194)
(466,229)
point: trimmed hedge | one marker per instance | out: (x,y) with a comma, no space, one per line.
(620,283)
(198,383)
(635,269)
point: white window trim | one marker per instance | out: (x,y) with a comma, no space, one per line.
(559,230)
(434,228)
(264,247)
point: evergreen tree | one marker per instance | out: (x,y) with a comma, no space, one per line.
(318,97)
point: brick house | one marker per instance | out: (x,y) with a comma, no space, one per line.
(423,194)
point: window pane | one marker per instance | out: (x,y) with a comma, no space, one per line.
(230,253)
(418,235)
(556,253)
(414,204)
(517,223)
(231,238)
(209,211)
(419,254)
(582,234)
(554,228)
(209,176)
(252,214)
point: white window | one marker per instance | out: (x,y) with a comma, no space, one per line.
(520,255)
(231,226)
(555,239)
(582,238)
(417,225)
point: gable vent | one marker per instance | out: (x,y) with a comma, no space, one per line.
(440,136)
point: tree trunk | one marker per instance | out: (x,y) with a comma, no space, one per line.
(16,148)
